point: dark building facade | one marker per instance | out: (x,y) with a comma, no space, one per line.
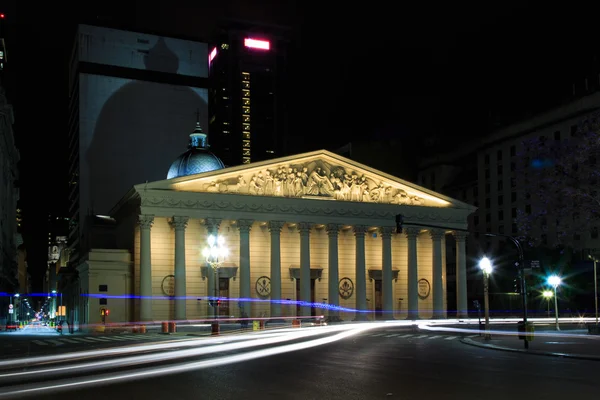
(247,97)
(134,99)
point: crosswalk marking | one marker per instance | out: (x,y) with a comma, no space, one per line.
(433,337)
(450,338)
(55,342)
(422,336)
(68,340)
(95,339)
(378,334)
(406,336)
(392,335)
(83,340)
(39,342)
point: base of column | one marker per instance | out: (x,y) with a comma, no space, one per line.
(361,318)
(412,318)
(333,319)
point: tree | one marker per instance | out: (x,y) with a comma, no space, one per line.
(561,177)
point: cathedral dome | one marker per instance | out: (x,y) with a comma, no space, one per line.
(197,159)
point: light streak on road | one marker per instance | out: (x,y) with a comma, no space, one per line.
(122,377)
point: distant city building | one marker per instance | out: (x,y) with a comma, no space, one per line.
(134,98)
(248,93)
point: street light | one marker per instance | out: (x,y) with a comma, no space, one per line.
(215,255)
(486,266)
(548,294)
(555,281)
(595,260)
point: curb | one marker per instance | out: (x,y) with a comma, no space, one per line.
(471,342)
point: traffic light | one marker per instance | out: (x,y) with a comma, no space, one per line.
(102,312)
(399,222)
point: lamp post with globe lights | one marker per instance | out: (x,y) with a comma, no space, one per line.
(486,267)
(215,255)
(547,294)
(555,281)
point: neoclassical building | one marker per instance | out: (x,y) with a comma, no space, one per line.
(311,228)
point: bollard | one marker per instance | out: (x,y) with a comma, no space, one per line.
(142,328)
(262,325)
(172,327)
(296,323)
(255,325)
(165,327)
(134,329)
(214,329)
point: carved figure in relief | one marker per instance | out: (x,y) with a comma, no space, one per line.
(315,179)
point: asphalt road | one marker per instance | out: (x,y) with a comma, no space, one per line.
(378,364)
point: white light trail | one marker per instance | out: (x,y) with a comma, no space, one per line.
(46,388)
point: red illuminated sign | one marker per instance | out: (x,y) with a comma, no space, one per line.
(2,16)
(257,44)
(212,55)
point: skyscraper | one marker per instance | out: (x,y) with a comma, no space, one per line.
(247,97)
(134,99)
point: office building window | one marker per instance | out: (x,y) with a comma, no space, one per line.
(513,151)
(513,213)
(514,228)
(487,159)
(500,215)
(594,233)
(557,135)
(487,202)
(513,196)
(499,155)
(500,185)
(573,130)
(500,200)
(499,169)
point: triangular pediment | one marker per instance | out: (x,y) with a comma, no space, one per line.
(319,175)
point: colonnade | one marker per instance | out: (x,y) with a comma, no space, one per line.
(244,226)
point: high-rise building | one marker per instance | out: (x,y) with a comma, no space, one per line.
(248,92)
(134,98)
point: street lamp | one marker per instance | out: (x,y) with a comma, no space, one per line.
(595,260)
(486,266)
(555,281)
(548,294)
(215,255)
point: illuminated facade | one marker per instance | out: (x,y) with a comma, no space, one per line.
(315,227)
(247,74)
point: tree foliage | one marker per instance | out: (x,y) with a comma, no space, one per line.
(561,178)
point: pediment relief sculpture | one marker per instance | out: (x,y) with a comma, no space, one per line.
(316,179)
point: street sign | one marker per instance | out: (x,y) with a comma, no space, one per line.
(10,306)
(10,310)
(532,264)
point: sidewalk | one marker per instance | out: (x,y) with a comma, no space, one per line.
(569,344)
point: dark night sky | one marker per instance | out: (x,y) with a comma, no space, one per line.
(381,70)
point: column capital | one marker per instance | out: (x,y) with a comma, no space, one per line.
(386,231)
(359,230)
(333,229)
(412,232)
(304,227)
(212,224)
(275,226)
(244,225)
(436,234)
(179,223)
(146,221)
(460,236)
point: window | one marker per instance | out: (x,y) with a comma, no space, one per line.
(514,213)
(573,130)
(476,220)
(487,202)
(513,167)
(103,301)
(594,233)
(487,188)
(513,151)
(487,159)
(500,200)
(488,217)
(499,169)
(513,196)
(557,135)
(501,229)
(487,173)
(514,228)
(528,208)
(500,185)
(475,190)
(499,155)
(103,288)
(500,215)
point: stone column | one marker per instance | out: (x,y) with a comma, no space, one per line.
(386,263)
(146,222)
(333,276)
(413,273)
(360,273)
(180,223)
(275,229)
(304,229)
(438,281)
(461,275)
(212,228)
(244,225)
